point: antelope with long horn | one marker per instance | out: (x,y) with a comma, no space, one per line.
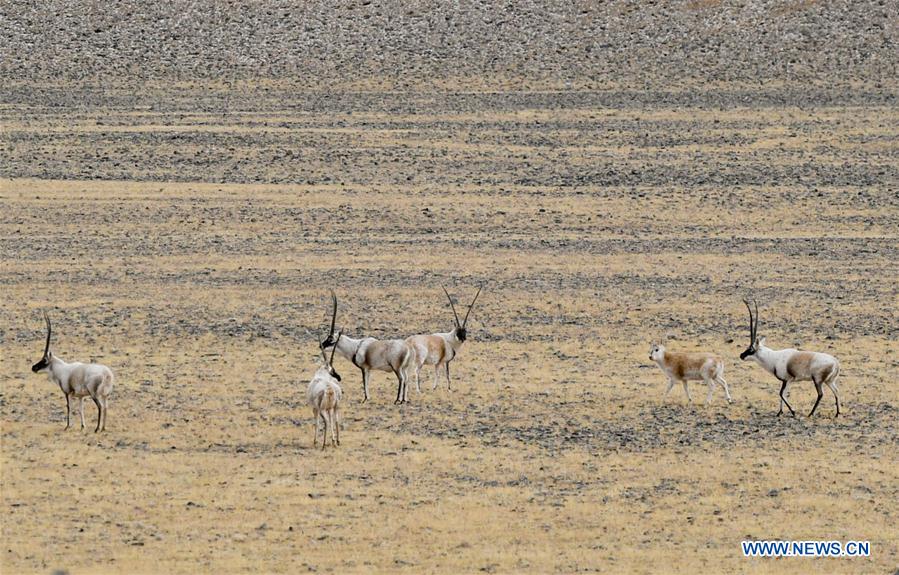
(323,396)
(77,381)
(439,349)
(789,365)
(372,354)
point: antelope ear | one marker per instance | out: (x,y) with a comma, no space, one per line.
(759,341)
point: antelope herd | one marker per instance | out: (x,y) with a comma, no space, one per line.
(323,394)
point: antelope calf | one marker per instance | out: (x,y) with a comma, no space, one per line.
(789,365)
(77,381)
(323,396)
(439,349)
(683,367)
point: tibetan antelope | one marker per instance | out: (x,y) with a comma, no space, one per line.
(323,396)
(439,349)
(680,366)
(373,354)
(77,381)
(789,365)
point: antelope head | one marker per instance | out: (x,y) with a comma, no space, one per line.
(657,352)
(755,342)
(329,340)
(329,363)
(45,359)
(461,328)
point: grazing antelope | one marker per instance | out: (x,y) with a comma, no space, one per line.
(679,366)
(439,349)
(323,396)
(789,365)
(373,354)
(77,380)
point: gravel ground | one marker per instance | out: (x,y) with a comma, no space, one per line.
(182,182)
(402,43)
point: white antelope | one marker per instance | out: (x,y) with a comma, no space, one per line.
(680,366)
(439,349)
(789,365)
(323,396)
(77,380)
(373,354)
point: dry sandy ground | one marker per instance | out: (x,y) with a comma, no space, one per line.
(595,230)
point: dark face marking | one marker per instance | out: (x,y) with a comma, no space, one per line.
(461,334)
(334,374)
(329,342)
(748,352)
(42,364)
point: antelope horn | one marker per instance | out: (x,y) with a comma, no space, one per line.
(321,349)
(333,313)
(756,332)
(334,350)
(465,323)
(49,331)
(452,306)
(752,324)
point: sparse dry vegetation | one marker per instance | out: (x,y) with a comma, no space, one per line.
(185,234)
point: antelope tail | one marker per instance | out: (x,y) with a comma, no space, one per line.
(834,372)
(408,357)
(110,379)
(326,399)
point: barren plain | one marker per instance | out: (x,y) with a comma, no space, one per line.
(595,230)
(185,231)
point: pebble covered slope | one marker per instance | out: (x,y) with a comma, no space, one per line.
(428,43)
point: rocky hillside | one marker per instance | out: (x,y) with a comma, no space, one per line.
(522,44)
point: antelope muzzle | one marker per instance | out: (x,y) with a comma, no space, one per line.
(42,364)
